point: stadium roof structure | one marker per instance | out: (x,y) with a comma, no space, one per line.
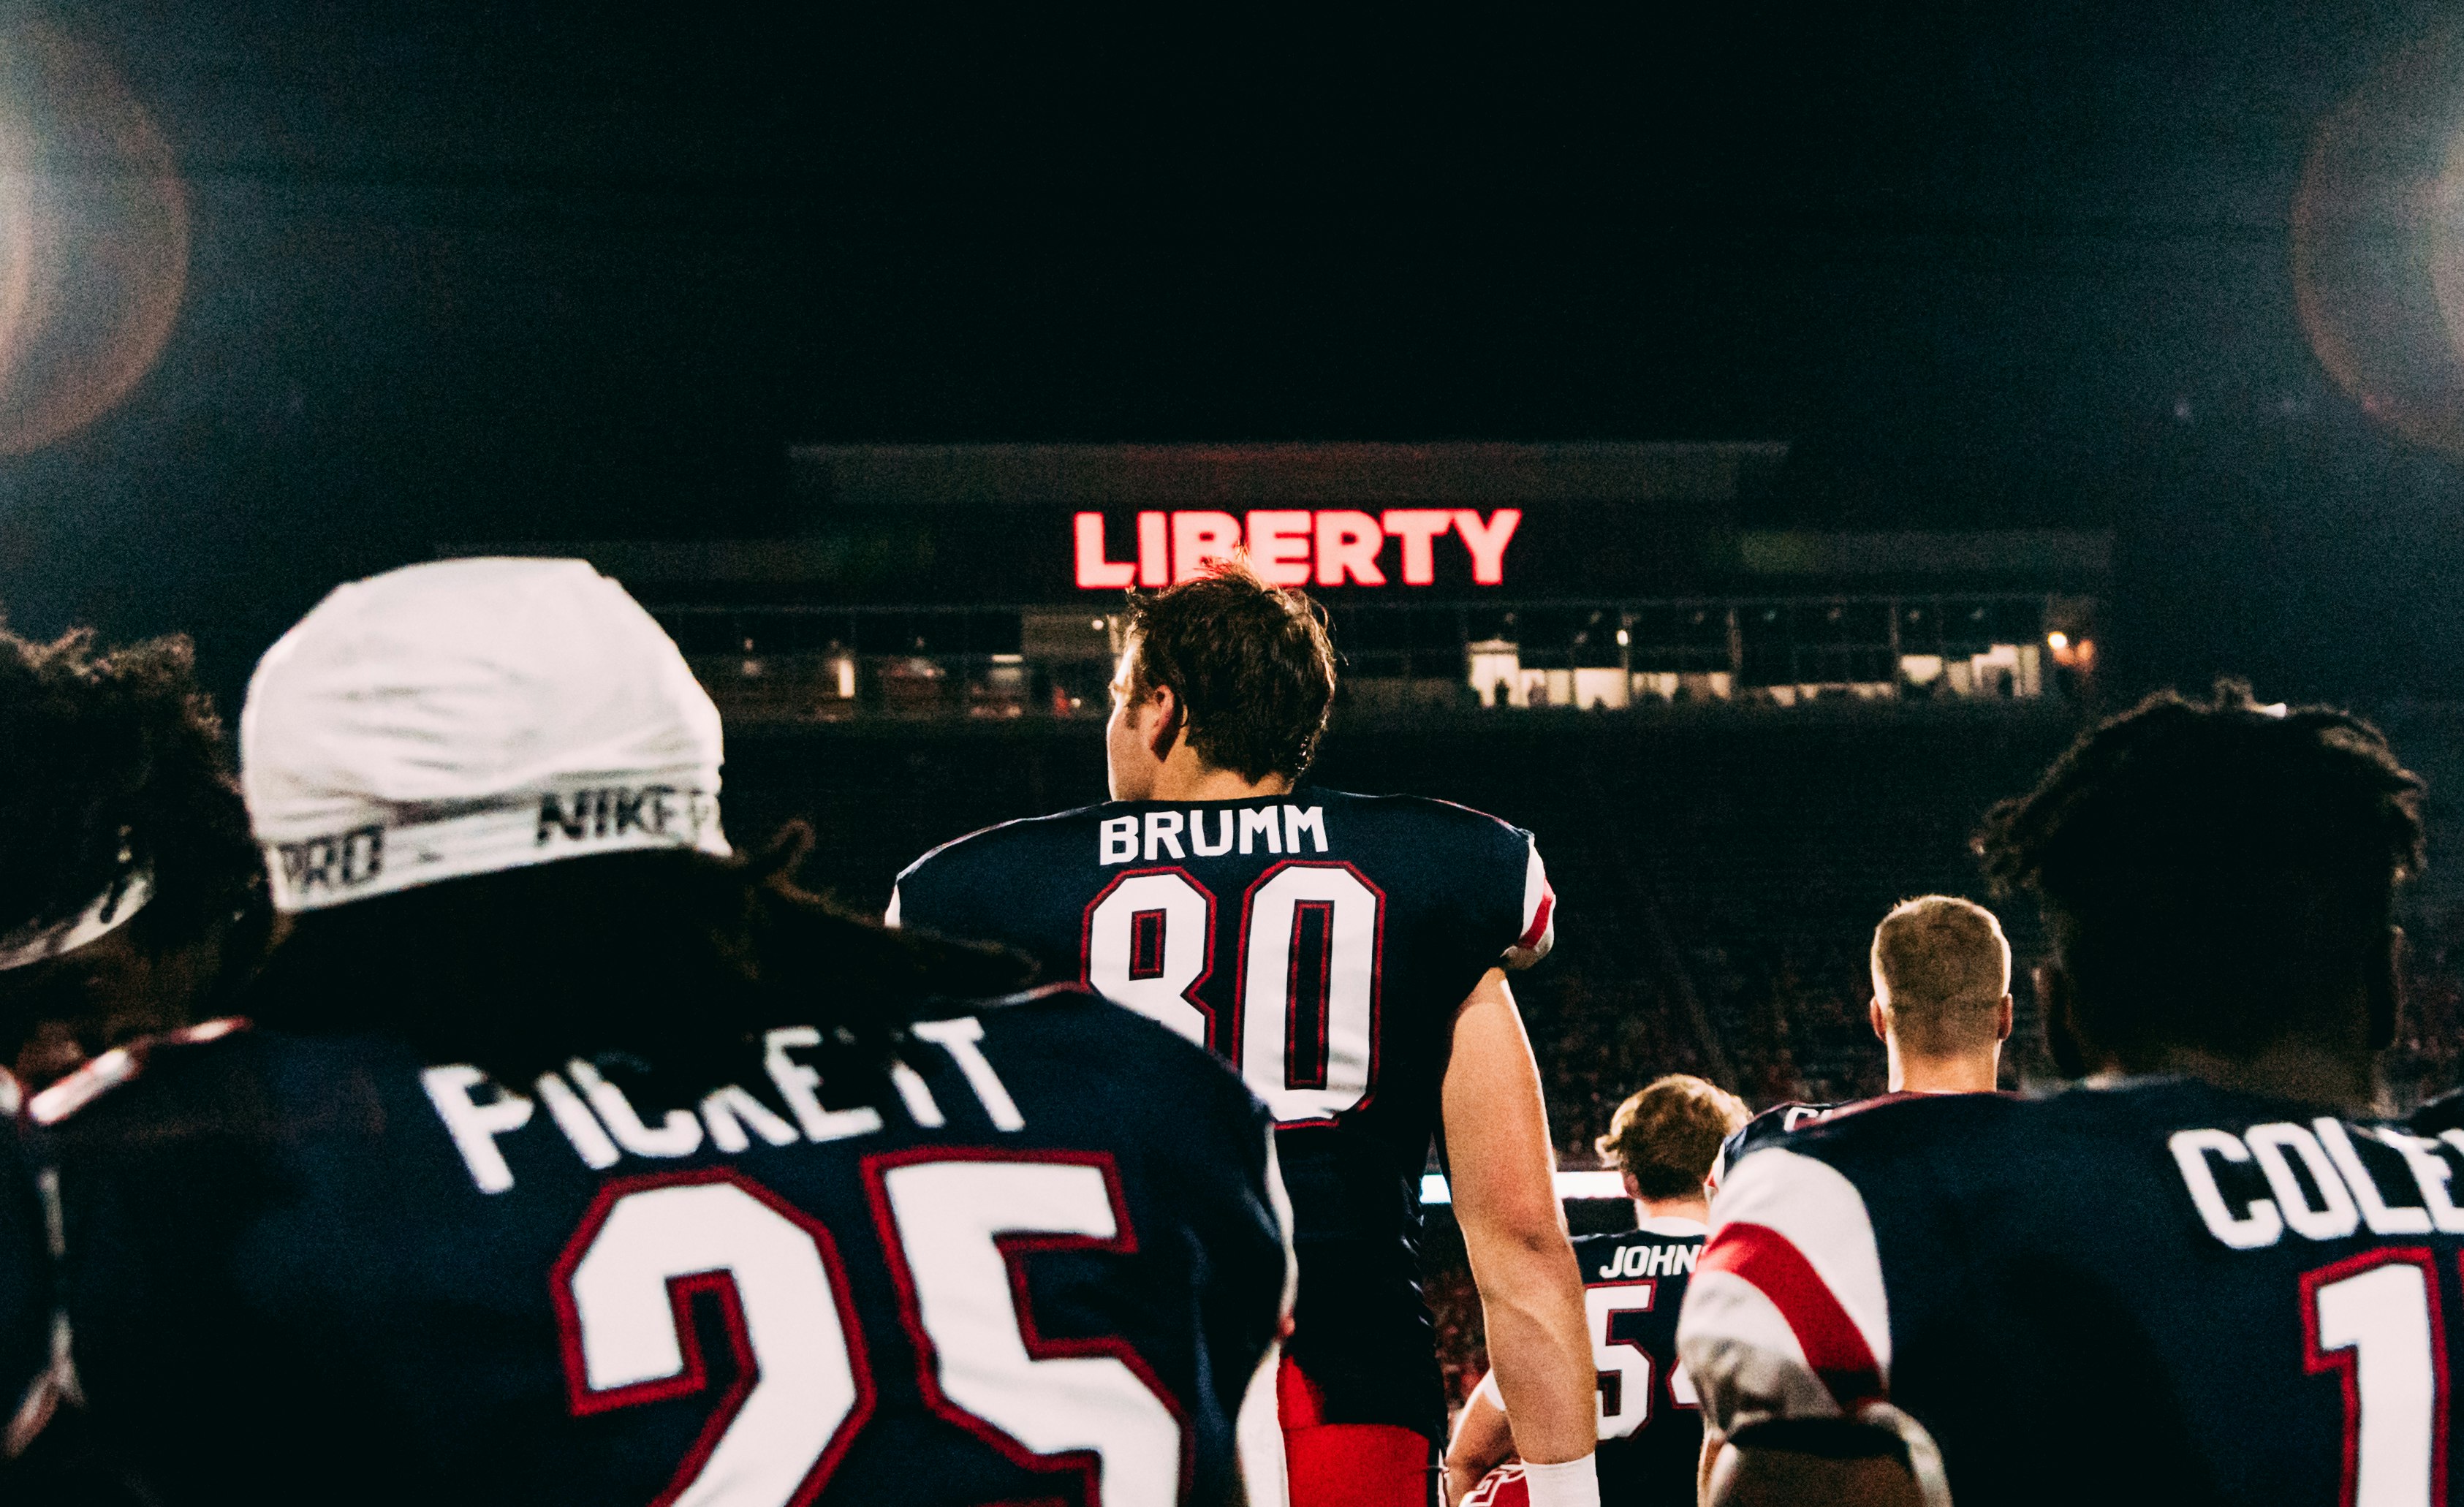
(954,526)
(1466,472)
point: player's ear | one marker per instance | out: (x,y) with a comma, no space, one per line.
(1878,1018)
(1163,703)
(2062,1038)
(2386,986)
(2002,1022)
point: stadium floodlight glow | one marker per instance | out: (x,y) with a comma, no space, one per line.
(1570,1185)
(2058,642)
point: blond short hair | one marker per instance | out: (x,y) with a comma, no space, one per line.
(1667,1136)
(1942,969)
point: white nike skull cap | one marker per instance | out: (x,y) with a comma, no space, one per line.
(469,717)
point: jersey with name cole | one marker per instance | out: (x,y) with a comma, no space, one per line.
(293,1261)
(2157,1292)
(1320,941)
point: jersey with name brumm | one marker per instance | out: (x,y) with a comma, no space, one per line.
(1319,941)
(293,1262)
(1651,1431)
(2158,1292)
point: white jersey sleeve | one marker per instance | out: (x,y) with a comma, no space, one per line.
(1786,1315)
(1539,931)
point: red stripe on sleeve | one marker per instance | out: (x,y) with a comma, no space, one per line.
(1763,1256)
(1539,919)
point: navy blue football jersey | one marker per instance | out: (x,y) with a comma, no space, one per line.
(1651,1428)
(2155,1292)
(2446,1112)
(305,1267)
(1319,941)
(25,1285)
(1762,1129)
(1776,1121)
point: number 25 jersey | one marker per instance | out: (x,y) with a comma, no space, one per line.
(317,1269)
(2159,1292)
(1317,940)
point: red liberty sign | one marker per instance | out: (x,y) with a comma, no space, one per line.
(1298,546)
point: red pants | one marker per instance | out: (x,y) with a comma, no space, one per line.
(1347,1464)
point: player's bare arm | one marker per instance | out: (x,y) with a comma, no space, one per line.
(1482,1439)
(1514,1230)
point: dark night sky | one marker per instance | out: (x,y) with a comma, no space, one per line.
(466,271)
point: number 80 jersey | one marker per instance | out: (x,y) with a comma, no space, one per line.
(1317,940)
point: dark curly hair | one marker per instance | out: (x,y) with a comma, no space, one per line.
(2214,871)
(1251,663)
(111,760)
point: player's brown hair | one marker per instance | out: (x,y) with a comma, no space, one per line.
(2215,874)
(1251,663)
(1667,1135)
(1941,969)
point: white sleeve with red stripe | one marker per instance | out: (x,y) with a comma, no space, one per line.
(1786,1315)
(1539,913)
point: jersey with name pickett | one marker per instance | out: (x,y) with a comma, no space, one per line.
(1044,1252)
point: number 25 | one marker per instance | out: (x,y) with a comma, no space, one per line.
(624,1288)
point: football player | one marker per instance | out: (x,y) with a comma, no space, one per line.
(1348,954)
(1661,1141)
(132,894)
(2197,1276)
(27,1393)
(1942,1008)
(573,1158)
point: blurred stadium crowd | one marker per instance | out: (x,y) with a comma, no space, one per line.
(1716,884)
(1719,883)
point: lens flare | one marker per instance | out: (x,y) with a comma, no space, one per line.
(93,236)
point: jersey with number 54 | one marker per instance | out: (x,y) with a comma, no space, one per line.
(2156,1292)
(308,1270)
(1321,943)
(1651,1431)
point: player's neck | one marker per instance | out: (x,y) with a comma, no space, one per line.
(1185,777)
(1971,1073)
(2304,1072)
(1698,1209)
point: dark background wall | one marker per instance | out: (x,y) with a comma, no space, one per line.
(542,270)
